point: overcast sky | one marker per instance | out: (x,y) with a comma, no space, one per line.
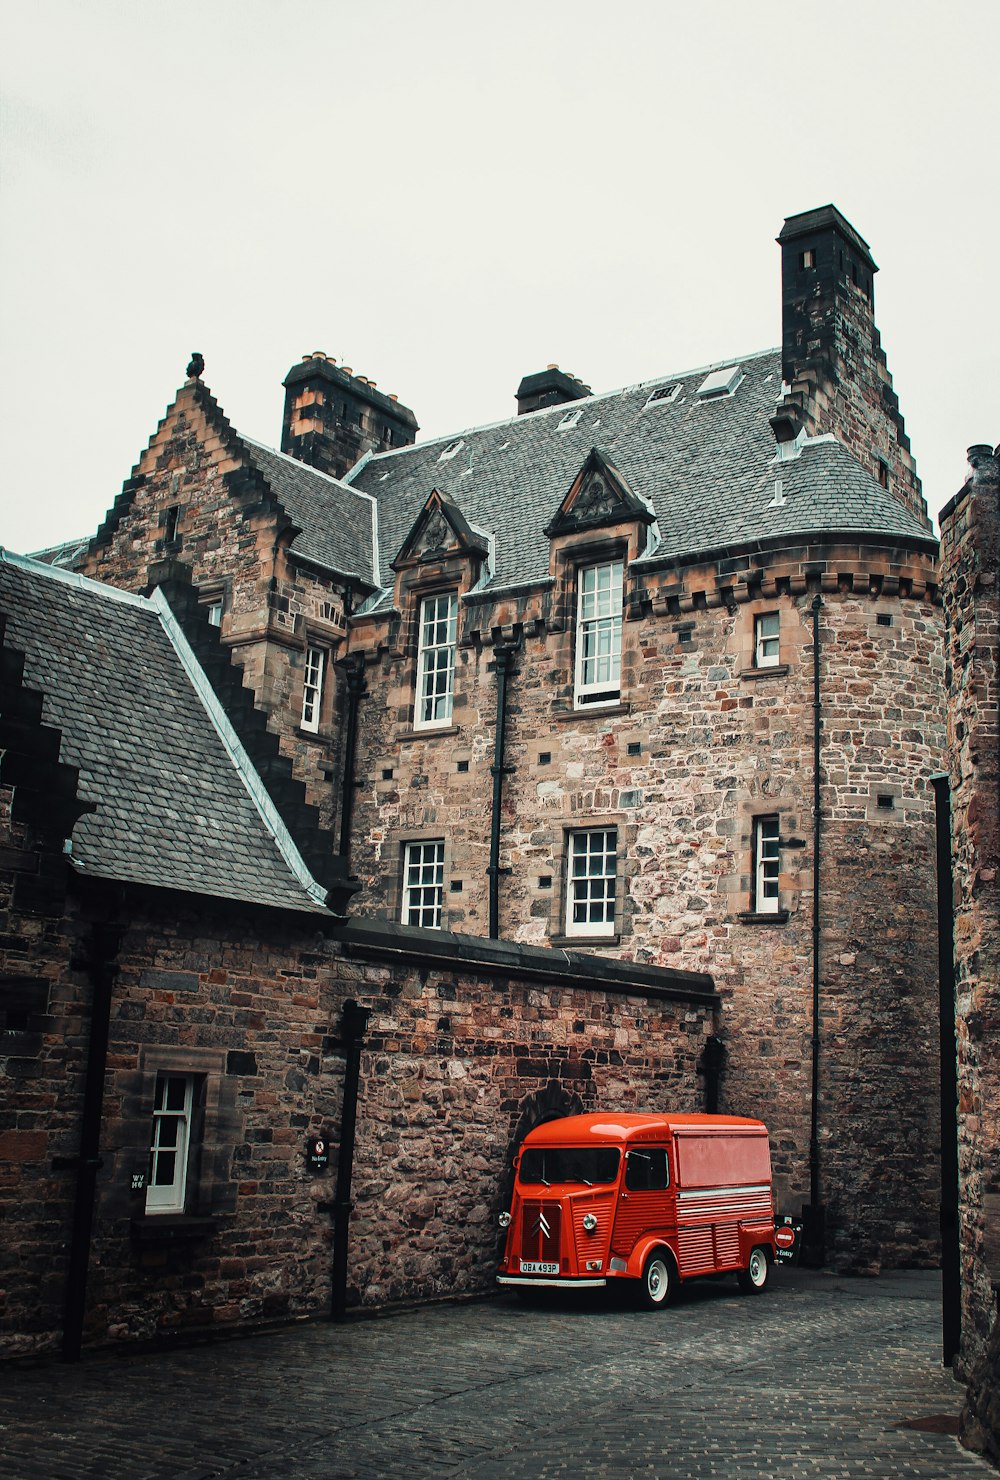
(448,196)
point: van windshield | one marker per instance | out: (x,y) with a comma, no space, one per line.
(587,1164)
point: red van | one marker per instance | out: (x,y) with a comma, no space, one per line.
(654,1199)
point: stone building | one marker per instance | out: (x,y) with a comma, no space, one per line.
(174,983)
(638,691)
(970,572)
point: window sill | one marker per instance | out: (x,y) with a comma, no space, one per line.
(158,1228)
(595,711)
(432,732)
(772,917)
(775,670)
(574,942)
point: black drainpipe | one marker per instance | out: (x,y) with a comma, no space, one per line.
(814,1216)
(353,1026)
(951,1287)
(354,670)
(100,964)
(503,655)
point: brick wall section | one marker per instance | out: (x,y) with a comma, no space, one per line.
(718,743)
(970,528)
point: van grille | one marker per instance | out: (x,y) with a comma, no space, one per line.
(541,1223)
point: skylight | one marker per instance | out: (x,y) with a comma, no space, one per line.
(720,382)
(452,449)
(665,393)
(570,419)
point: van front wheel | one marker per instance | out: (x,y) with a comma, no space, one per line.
(753,1279)
(656,1287)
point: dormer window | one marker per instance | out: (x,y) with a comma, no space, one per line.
(436,660)
(599,634)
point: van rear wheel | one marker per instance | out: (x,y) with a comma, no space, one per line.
(753,1279)
(656,1287)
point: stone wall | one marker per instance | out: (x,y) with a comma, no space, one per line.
(249,1004)
(702,742)
(971,589)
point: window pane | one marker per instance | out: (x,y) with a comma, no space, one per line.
(593,869)
(599,631)
(436,659)
(423,884)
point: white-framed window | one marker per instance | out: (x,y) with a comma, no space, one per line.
(170,1143)
(312,688)
(766,865)
(599,633)
(765,639)
(423,883)
(591,881)
(214,610)
(436,660)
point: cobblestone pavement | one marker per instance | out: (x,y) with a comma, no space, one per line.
(820,1377)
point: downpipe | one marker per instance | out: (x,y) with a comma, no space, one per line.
(100,964)
(951,1282)
(503,656)
(354,1024)
(814,1214)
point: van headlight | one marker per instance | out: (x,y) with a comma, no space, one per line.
(504,1220)
(589,1222)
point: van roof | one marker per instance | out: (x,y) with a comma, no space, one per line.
(615,1126)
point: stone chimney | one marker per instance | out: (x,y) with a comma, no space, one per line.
(550,387)
(333,417)
(832,361)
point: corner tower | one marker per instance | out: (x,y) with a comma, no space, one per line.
(832,361)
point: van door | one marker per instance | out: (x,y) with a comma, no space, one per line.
(644,1198)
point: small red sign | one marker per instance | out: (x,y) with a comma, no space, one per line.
(784,1237)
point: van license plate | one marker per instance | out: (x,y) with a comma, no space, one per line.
(535,1266)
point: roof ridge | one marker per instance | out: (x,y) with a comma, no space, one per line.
(519,418)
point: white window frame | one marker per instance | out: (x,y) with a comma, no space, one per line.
(599,596)
(767,640)
(592,881)
(436,638)
(766,865)
(312,689)
(423,883)
(170,1143)
(215,613)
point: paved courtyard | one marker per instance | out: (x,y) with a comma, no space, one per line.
(822,1376)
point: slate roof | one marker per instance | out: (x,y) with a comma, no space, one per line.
(173,810)
(707,468)
(337,522)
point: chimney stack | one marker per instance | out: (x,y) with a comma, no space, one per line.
(333,417)
(832,360)
(549,387)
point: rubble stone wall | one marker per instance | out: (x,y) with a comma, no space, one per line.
(971,591)
(702,742)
